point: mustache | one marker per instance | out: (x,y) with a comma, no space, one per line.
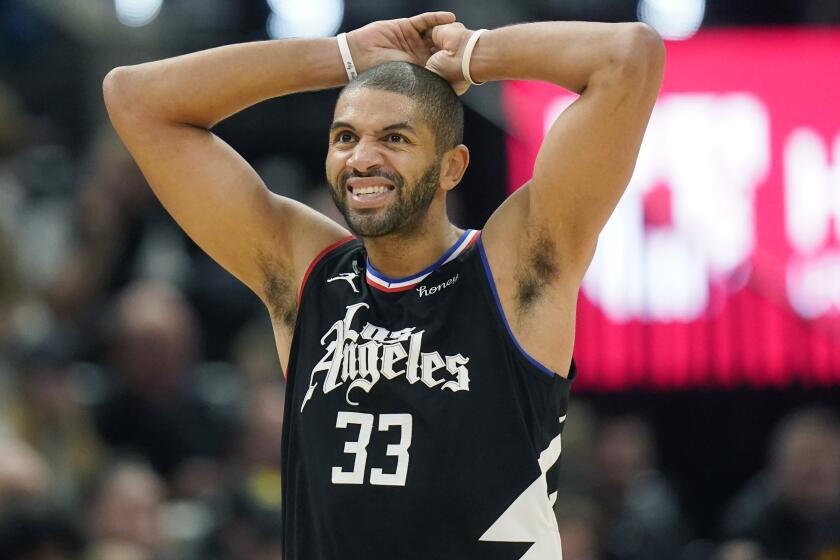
(393,177)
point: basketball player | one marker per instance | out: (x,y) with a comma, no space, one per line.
(428,367)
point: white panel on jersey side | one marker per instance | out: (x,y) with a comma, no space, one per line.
(530,517)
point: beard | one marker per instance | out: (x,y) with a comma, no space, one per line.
(403,215)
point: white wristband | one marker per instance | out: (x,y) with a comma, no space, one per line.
(465,60)
(344,49)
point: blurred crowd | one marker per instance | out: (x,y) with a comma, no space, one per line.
(616,503)
(141,399)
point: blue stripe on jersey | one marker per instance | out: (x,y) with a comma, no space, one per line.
(538,365)
(373,272)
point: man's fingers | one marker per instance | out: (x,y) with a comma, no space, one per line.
(428,20)
(440,32)
(428,40)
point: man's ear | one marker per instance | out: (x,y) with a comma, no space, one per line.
(453,165)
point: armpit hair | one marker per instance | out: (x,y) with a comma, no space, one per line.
(536,271)
(279,293)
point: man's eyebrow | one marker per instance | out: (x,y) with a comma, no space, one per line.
(395,126)
(341,124)
(400,126)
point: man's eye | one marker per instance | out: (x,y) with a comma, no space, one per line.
(344,137)
(396,138)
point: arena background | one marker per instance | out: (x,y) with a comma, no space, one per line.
(140,394)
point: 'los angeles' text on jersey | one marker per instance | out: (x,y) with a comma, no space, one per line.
(360,358)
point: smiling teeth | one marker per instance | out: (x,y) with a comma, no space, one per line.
(370,190)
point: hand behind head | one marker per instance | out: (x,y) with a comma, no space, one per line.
(405,39)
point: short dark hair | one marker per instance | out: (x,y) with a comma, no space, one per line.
(436,101)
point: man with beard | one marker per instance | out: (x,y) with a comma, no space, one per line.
(428,367)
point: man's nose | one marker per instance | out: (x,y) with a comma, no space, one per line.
(365,156)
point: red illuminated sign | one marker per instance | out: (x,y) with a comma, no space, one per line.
(721,264)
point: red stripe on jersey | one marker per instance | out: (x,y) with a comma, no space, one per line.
(382,288)
(315,261)
(318,258)
(473,240)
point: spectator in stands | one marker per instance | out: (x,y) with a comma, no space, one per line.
(159,407)
(641,515)
(111,215)
(50,415)
(125,514)
(792,511)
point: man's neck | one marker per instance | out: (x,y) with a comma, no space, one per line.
(401,255)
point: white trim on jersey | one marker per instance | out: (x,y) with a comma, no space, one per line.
(530,518)
(378,279)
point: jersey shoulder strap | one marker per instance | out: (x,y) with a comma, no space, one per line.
(329,255)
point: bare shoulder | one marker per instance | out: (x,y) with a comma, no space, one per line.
(537,293)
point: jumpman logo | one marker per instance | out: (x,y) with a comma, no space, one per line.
(350,277)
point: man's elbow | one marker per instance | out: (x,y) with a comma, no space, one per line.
(642,51)
(115,91)
(120,89)
(635,61)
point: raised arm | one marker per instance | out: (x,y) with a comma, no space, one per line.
(588,155)
(163,111)
(541,240)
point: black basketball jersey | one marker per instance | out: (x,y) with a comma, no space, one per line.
(415,426)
